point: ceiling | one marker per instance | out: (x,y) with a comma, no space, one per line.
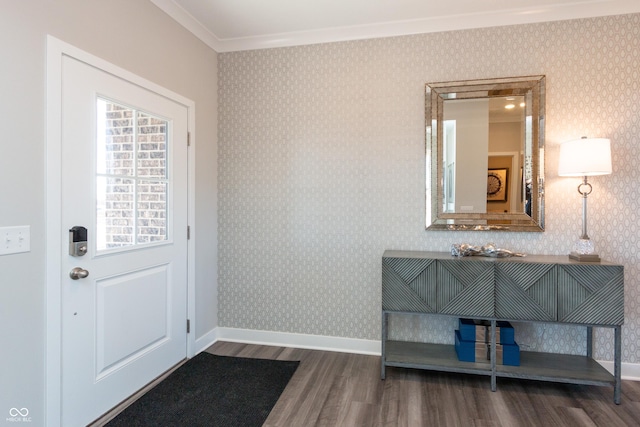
(232,25)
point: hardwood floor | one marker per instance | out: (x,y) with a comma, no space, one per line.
(340,389)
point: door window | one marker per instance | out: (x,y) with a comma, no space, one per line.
(131,177)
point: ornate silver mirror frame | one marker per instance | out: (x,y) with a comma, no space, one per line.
(525,197)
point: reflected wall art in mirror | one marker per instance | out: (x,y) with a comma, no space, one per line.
(485,154)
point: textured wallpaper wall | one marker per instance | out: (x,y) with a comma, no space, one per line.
(321,168)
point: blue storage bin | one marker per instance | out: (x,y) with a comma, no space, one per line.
(472,329)
(480,330)
(471,351)
(507,334)
(508,354)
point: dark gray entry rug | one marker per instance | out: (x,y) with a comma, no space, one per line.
(211,390)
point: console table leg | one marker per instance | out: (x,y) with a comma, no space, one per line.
(384,340)
(617,362)
(590,341)
(493,355)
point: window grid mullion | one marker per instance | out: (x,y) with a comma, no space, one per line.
(135,177)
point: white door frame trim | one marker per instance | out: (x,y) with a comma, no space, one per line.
(56,49)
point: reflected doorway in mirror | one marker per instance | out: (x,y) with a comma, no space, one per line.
(497,184)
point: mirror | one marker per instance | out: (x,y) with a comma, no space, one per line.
(485,154)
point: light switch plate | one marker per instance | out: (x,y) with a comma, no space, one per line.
(14,240)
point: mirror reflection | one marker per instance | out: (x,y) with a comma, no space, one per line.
(484,136)
(484,154)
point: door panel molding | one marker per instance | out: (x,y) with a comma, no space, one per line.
(142,333)
(56,235)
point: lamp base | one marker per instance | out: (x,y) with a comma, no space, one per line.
(584,257)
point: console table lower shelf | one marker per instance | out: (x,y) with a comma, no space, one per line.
(533,365)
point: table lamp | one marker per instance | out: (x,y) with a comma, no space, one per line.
(585,157)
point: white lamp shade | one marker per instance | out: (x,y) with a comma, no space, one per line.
(585,157)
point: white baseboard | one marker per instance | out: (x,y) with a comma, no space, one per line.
(205,341)
(630,371)
(285,339)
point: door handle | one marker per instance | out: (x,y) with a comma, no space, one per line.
(78,273)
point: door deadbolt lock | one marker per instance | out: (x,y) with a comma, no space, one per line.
(77,241)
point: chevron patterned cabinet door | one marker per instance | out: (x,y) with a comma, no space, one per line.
(591,294)
(409,285)
(526,291)
(466,288)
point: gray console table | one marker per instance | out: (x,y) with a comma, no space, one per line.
(547,289)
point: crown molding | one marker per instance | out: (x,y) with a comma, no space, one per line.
(184,18)
(532,14)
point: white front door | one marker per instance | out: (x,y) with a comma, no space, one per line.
(124,179)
